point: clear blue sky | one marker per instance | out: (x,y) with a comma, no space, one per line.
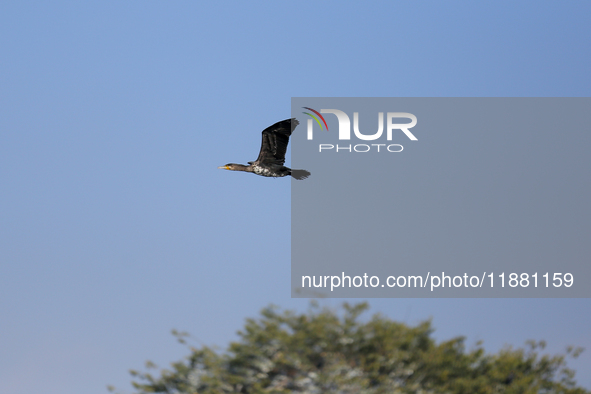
(115,224)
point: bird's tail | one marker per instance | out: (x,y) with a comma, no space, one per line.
(299,174)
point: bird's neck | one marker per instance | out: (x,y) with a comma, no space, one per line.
(241,167)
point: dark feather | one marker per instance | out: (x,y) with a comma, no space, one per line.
(274,143)
(300,174)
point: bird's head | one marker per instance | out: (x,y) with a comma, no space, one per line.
(229,166)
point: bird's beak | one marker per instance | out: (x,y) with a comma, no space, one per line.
(224,167)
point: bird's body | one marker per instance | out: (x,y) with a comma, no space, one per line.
(272,154)
(271,170)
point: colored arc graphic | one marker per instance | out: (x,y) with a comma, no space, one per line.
(315,118)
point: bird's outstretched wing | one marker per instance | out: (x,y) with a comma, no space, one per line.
(275,140)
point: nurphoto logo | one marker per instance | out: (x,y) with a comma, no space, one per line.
(345,130)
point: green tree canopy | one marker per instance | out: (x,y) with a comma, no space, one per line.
(327,351)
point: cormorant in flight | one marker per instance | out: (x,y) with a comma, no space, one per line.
(272,154)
